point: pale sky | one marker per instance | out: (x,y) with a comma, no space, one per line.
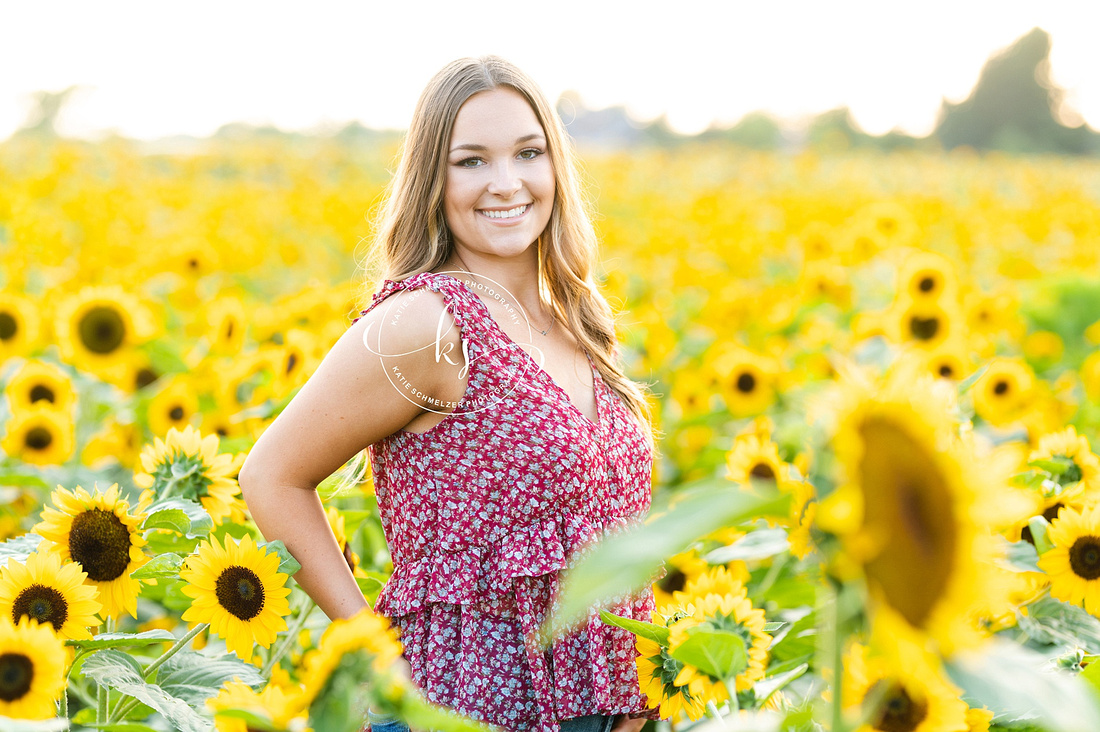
(152,69)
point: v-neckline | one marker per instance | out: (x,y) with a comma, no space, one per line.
(546,375)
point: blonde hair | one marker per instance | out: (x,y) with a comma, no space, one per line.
(412,234)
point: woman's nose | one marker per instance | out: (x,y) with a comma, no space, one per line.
(505,181)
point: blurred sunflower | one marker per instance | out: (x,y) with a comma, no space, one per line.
(1074,562)
(978,720)
(755,458)
(281,708)
(925,323)
(188,465)
(1072,453)
(39,435)
(99,533)
(238,589)
(1001,394)
(745,381)
(41,384)
(803,513)
(364,633)
(928,276)
(114,442)
(32,669)
(899,694)
(1043,348)
(336,523)
(910,505)
(98,326)
(174,406)
(20,326)
(45,590)
(683,568)
(294,361)
(1090,376)
(949,360)
(715,581)
(225,324)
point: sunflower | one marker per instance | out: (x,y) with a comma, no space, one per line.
(188,465)
(745,381)
(365,633)
(174,406)
(99,533)
(115,442)
(39,435)
(99,325)
(978,720)
(1043,348)
(336,523)
(45,590)
(911,503)
(925,323)
(803,512)
(20,325)
(294,361)
(755,458)
(1073,452)
(225,324)
(657,673)
(1002,393)
(1090,376)
(732,612)
(32,669)
(900,693)
(282,707)
(238,589)
(1074,562)
(40,384)
(928,276)
(685,566)
(949,360)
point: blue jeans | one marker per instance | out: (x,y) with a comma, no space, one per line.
(590,723)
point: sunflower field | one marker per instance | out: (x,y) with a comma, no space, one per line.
(876,379)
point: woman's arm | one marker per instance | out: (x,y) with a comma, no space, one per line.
(348,404)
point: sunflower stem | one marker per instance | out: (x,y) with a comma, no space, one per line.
(836,661)
(291,636)
(100,689)
(124,706)
(713,711)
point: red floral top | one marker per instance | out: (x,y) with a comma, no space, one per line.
(482,512)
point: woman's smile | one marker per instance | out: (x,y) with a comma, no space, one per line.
(505,216)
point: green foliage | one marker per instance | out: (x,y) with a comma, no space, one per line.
(718,653)
(123,640)
(119,671)
(187,518)
(640,628)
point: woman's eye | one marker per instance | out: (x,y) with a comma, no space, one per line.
(469,162)
(530,153)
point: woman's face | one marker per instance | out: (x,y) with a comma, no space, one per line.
(500,181)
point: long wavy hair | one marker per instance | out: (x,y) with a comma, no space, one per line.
(412,235)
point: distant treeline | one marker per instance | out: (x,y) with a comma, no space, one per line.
(1014,108)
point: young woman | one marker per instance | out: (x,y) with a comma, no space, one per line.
(503,436)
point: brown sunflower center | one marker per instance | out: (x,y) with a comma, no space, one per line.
(900,712)
(38,438)
(102,330)
(291,362)
(946,371)
(144,377)
(674,581)
(100,542)
(926,284)
(1001,387)
(8,327)
(746,383)
(1084,557)
(240,592)
(44,604)
(16,675)
(924,329)
(176,413)
(910,503)
(42,393)
(1050,513)
(763,471)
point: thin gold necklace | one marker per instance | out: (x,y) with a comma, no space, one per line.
(540,332)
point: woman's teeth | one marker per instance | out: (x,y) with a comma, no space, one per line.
(509,214)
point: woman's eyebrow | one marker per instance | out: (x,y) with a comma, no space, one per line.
(519,140)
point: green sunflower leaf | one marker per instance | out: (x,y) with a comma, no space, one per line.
(160,566)
(184,517)
(968,383)
(718,653)
(119,671)
(121,727)
(760,544)
(1057,465)
(288,565)
(628,562)
(123,640)
(1015,681)
(640,628)
(19,548)
(195,677)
